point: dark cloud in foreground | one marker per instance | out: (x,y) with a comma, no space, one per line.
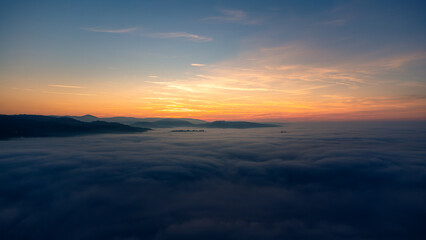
(338,181)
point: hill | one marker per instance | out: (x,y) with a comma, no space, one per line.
(132,120)
(47,126)
(174,122)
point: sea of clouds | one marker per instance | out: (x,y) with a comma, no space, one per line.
(315,181)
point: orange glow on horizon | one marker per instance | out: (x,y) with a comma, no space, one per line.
(264,85)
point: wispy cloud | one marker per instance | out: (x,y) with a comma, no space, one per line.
(67,93)
(184,35)
(232,88)
(165,35)
(65,86)
(293,80)
(198,64)
(235,16)
(396,62)
(153,76)
(104,30)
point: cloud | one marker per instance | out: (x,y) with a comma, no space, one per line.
(65,86)
(165,35)
(317,181)
(184,35)
(69,93)
(103,30)
(232,88)
(295,81)
(396,62)
(198,64)
(235,16)
(153,76)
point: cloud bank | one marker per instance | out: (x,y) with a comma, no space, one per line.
(320,181)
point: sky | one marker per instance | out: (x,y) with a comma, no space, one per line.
(233,60)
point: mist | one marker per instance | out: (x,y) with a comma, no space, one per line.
(312,181)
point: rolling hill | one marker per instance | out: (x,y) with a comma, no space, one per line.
(46,126)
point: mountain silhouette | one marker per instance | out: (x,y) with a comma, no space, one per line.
(171,122)
(48,126)
(132,120)
(165,123)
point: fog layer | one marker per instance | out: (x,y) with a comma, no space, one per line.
(314,181)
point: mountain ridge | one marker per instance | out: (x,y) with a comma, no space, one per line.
(176,122)
(12,126)
(130,120)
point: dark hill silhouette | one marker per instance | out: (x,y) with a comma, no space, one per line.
(132,120)
(170,123)
(173,122)
(86,118)
(47,126)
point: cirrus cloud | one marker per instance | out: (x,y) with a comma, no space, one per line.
(104,30)
(184,35)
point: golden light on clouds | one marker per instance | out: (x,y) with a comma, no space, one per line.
(64,86)
(268,84)
(291,82)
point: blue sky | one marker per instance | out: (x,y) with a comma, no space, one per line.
(129,43)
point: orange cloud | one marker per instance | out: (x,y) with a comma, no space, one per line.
(286,83)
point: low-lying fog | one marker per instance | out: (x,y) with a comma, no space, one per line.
(313,181)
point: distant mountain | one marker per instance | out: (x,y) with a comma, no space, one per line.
(190,120)
(47,126)
(132,120)
(170,123)
(85,118)
(165,123)
(237,124)
(174,122)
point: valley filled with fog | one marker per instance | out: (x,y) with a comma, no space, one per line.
(300,180)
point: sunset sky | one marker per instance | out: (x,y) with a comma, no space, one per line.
(248,60)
